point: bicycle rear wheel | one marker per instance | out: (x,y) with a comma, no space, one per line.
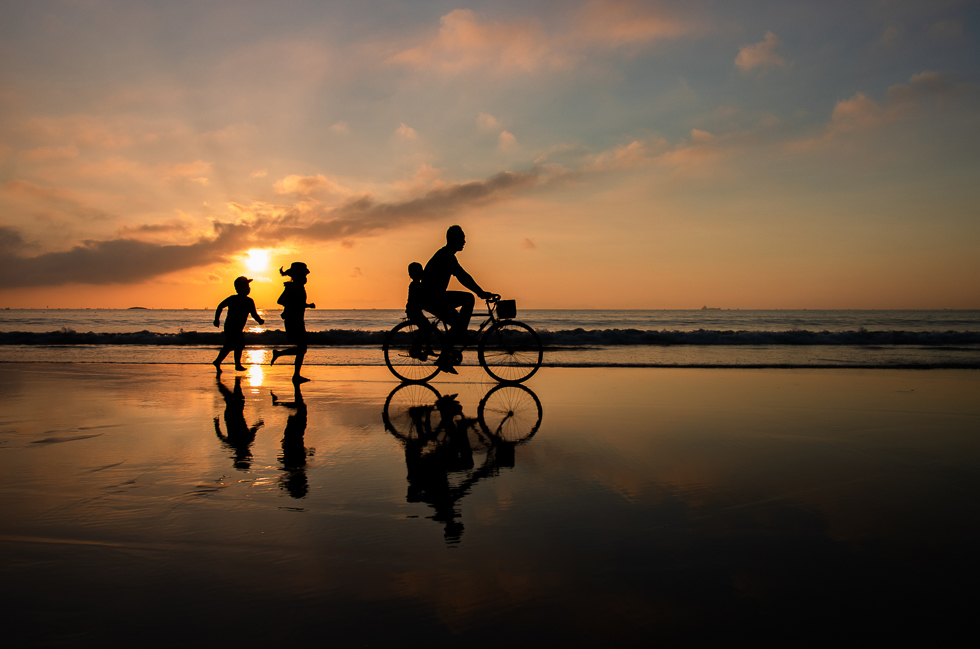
(408,410)
(405,340)
(510,351)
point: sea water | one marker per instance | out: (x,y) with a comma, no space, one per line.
(581,337)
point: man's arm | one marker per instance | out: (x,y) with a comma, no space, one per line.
(466,280)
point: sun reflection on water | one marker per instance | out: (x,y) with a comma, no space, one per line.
(255,358)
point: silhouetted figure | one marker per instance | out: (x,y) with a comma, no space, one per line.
(294,451)
(442,302)
(428,472)
(422,345)
(240,306)
(240,436)
(294,306)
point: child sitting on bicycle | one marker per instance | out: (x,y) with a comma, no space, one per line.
(421,346)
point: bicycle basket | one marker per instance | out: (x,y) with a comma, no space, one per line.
(507,309)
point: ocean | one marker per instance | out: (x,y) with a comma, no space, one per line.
(572,338)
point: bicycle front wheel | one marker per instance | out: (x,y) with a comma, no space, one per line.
(511,413)
(409,356)
(510,351)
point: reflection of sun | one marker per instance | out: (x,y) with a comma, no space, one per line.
(257,260)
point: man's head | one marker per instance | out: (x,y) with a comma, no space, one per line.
(242,285)
(455,239)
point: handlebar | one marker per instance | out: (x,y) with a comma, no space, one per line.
(493,299)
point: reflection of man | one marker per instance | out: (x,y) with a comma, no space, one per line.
(442,302)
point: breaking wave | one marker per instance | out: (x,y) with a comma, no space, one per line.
(563,339)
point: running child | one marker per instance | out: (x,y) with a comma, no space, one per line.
(294,306)
(240,306)
(421,347)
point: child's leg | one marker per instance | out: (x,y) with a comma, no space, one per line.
(300,354)
(238,359)
(221,356)
(276,354)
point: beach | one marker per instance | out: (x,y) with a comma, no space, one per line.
(154,504)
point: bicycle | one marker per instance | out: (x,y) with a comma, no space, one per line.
(509,350)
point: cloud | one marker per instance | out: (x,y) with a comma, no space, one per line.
(487,122)
(128,260)
(528,244)
(760,55)
(258,173)
(356,272)
(340,127)
(406,132)
(891,34)
(51,154)
(426,178)
(861,113)
(507,141)
(174,226)
(617,22)
(308,186)
(466,40)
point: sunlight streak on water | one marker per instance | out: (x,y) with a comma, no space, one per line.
(255,374)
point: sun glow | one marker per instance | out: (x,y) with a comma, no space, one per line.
(257,260)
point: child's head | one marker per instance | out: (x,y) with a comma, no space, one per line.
(297,272)
(415,270)
(241,285)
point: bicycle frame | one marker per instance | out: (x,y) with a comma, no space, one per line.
(492,318)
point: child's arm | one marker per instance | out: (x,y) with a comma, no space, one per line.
(217,312)
(254,313)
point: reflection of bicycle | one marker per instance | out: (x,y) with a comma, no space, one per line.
(510,351)
(443,447)
(509,413)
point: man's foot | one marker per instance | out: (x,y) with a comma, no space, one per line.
(217,366)
(418,354)
(445,364)
(299,379)
(240,368)
(275,356)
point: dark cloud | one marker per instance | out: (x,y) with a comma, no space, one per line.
(11,242)
(155,228)
(129,261)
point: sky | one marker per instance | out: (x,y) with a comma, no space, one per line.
(598,154)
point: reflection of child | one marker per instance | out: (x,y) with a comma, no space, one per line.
(240,306)
(413,309)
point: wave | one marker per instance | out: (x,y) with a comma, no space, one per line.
(562,339)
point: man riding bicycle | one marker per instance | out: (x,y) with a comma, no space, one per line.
(442,302)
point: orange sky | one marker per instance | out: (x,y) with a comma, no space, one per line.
(601,154)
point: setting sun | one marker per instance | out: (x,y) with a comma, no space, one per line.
(257,260)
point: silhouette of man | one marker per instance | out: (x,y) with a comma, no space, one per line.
(442,302)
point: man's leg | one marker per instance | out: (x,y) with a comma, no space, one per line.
(464,300)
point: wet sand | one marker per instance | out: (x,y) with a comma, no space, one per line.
(152,505)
